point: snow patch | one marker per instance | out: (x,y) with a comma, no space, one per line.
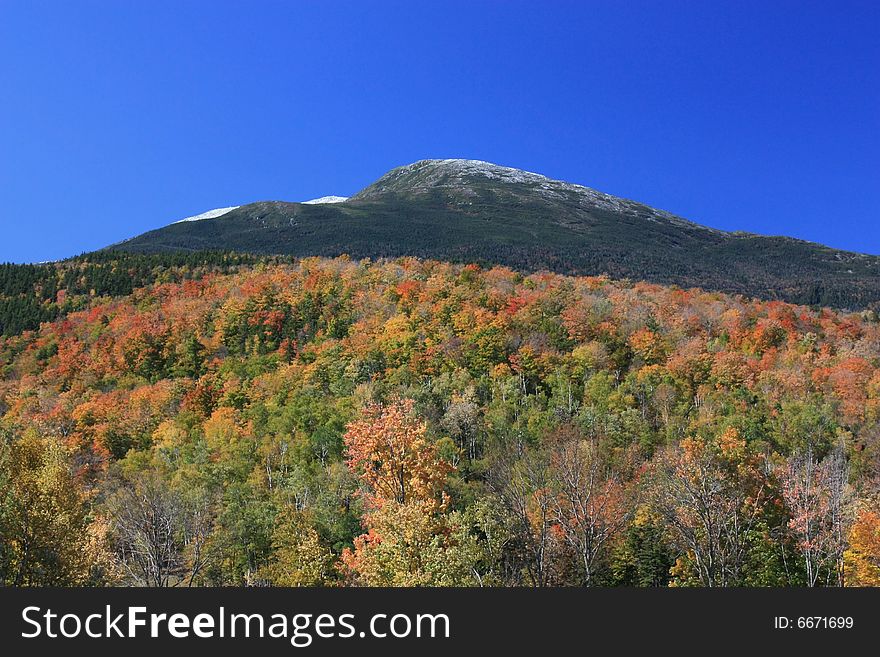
(326,199)
(210,214)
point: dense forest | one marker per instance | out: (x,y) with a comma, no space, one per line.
(32,294)
(415,423)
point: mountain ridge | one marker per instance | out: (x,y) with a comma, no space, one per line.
(474,211)
(440,171)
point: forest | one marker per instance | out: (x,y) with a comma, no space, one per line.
(32,294)
(409,422)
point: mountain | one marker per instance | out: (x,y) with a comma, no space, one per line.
(473,211)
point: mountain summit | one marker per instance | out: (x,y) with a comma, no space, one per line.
(458,176)
(474,211)
(469,182)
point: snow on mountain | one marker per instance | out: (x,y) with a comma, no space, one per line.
(210,214)
(326,199)
(459,175)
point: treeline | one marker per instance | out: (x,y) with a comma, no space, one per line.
(32,294)
(416,423)
(517,228)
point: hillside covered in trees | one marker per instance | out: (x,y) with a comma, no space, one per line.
(411,422)
(32,294)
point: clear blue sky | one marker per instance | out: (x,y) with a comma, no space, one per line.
(118,117)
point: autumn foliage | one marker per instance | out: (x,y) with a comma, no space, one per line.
(862,559)
(388,449)
(411,422)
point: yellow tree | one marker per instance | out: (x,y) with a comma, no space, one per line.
(44,526)
(407,546)
(862,559)
(299,557)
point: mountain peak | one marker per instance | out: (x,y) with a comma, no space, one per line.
(455,173)
(465,167)
(463,182)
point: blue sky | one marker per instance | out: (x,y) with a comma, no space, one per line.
(118,117)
